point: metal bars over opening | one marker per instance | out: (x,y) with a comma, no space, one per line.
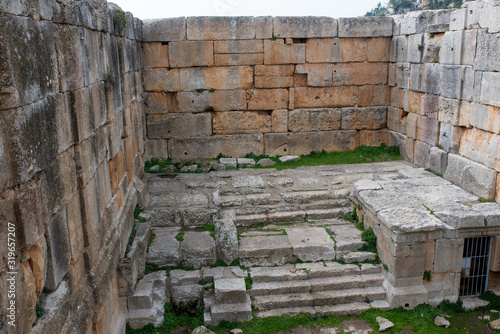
(475,266)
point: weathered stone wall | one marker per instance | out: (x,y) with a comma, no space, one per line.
(274,85)
(71,138)
(445,98)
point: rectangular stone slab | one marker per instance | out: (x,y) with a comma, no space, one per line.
(311,243)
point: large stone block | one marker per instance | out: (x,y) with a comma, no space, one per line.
(405,144)
(422,154)
(451,81)
(489,88)
(28,76)
(318,75)
(469,47)
(309,120)
(221,28)
(191,53)
(373,137)
(277,52)
(16,7)
(472,176)
(191,79)
(279,120)
(430,79)
(378,49)
(210,147)
(485,117)
(487,52)
(239,46)
(432,46)
(159,103)
(425,21)
(305,142)
(323,50)
(438,160)
(482,147)
(274,70)
(179,125)
(268,99)
(236,122)
(399,49)
(415,48)
(239,59)
(457,19)
(365,26)
(371,118)
(58,250)
(331,97)
(449,111)
(451,48)
(374,95)
(273,82)
(358,74)
(305,27)
(427,130)
(156,148)
(353,49)
(449,137)
(164,30)
(484,14)
(220,100)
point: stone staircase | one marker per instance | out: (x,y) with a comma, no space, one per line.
(320,288)
(289,230)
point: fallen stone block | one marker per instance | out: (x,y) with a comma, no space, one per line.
(245,162)
(226,240)
(202,330)
(230,290)
(229,162)
(289,158)
(384,324)
(441,322)
(165,249)
(198,249)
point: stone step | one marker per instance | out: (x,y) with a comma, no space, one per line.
(341,309)
(300,197)
(319,298)
(327,213)
(290,311)
(316,284)
(236,312)
(304,271)
(353,257)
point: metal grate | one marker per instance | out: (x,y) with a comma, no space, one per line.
(475,266)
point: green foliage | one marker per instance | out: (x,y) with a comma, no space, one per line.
(378,11)
(248,282)
(341,260)
(370,238)
(211,90)
(427,276)
(221,156)
(448,307)
(150,241)
(492,298)
(180,236)
(39,310)
(202,282)
(386,267)
(131,237)
(119,20)
(219,263)
(209,287)
(484,200)
(430,211)
(210,228)
(275,37)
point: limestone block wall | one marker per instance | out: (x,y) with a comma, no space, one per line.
(273,85)
(71,143)
(445,98)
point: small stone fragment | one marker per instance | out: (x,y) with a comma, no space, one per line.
(495,324)
(202,330)
(155,168)
(219,167)
(288,158)
(244,162)
(191,168)
(229,162)
(266,162)
(236,331)
(442,322)
(487,317)
(384,324)
(169,169)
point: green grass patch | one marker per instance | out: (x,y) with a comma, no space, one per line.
(210,228)
(484,200)
(362,154)
(435,173)
(202,282)
(180,236)
(248,282)
(286,224)
(370,238)
(427,276)
(430,211)
(150,241)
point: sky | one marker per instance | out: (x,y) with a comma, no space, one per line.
(150,9)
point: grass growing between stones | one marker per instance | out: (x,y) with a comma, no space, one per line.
(362,154)
(419,320)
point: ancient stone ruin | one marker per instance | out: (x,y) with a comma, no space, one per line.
(89,93)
